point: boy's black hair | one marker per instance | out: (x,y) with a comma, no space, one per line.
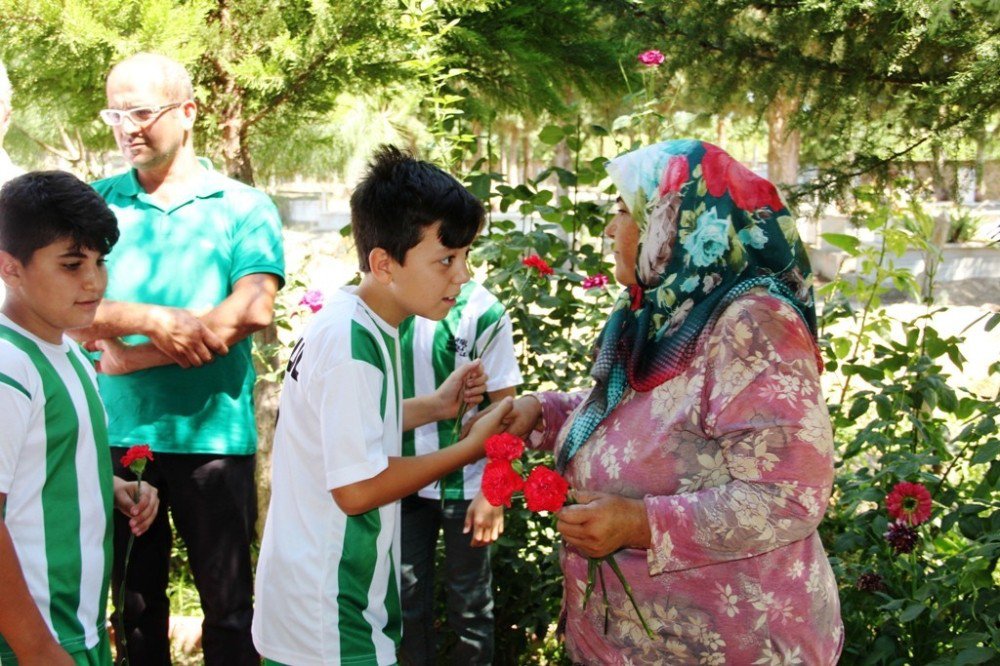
(400,196)
(42,207)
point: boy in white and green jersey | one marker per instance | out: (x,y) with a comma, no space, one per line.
(56,484)
(327,584)
(476,328)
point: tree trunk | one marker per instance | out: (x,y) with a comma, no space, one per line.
(265,404)
(939,178)
(783,142)
(979,135)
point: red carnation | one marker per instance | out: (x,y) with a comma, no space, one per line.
(748,190)
(677,174)
(909,503)
(500,482)
(137,454)
(539,264)
(545,490)
(504,446)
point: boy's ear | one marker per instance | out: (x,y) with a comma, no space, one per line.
(10,268)
(381,265)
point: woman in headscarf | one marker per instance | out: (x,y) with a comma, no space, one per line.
(703,455)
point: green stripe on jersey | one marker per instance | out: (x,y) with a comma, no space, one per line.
(406,329)
(13,383)
(354,577)
(60,494)
(98,421)
(443,362)
(364,348)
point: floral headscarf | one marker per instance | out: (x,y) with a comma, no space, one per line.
(710,230)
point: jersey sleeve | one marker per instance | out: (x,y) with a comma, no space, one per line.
(257,244)
(15,414)
(351,423)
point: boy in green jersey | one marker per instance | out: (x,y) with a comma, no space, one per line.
(56,483)
(328,577)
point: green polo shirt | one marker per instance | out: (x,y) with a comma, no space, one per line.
(188,256)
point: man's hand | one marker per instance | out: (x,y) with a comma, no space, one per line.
(114,356)
(600,524)
(183,337)
(140,514)
(484,520)
(465,385)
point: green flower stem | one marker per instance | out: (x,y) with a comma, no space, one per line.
(123,640)
(593,566)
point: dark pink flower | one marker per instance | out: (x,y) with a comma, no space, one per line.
(901,537)
(545,490)
(870,582)
(909,503)
(748,190)
(595,281)
(313,299)
(539,264)
(651,58)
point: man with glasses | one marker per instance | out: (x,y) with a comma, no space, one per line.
(194,273)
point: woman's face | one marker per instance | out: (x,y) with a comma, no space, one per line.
(623,230)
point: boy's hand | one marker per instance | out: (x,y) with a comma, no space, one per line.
(140,514)
(484,520)
(50,654)
(466,385)
(525,415)
(492,422)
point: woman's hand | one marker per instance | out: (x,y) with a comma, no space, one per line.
(140,514)
(525,415)
(600,524)
(484,520)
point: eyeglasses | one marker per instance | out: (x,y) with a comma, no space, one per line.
(139,115)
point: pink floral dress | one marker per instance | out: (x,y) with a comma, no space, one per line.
(734,460)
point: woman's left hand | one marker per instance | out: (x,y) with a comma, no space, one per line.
(599,524)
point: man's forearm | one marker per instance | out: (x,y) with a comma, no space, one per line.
(115,319)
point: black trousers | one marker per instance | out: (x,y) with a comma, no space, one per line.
(213,501)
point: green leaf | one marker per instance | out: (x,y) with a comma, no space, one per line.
(848,244)
(988,452)
(911,612)
(975,655)
(551,135)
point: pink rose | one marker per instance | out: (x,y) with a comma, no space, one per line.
(651,58)
(313,299)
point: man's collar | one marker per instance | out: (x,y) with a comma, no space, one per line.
(209,183)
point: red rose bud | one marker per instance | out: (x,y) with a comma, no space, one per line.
(504,446)
(545,490)
(539,264)
(500,482)
(136,456)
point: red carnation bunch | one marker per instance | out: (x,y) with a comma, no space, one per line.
(909,503)
(539,264)
(544,490)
